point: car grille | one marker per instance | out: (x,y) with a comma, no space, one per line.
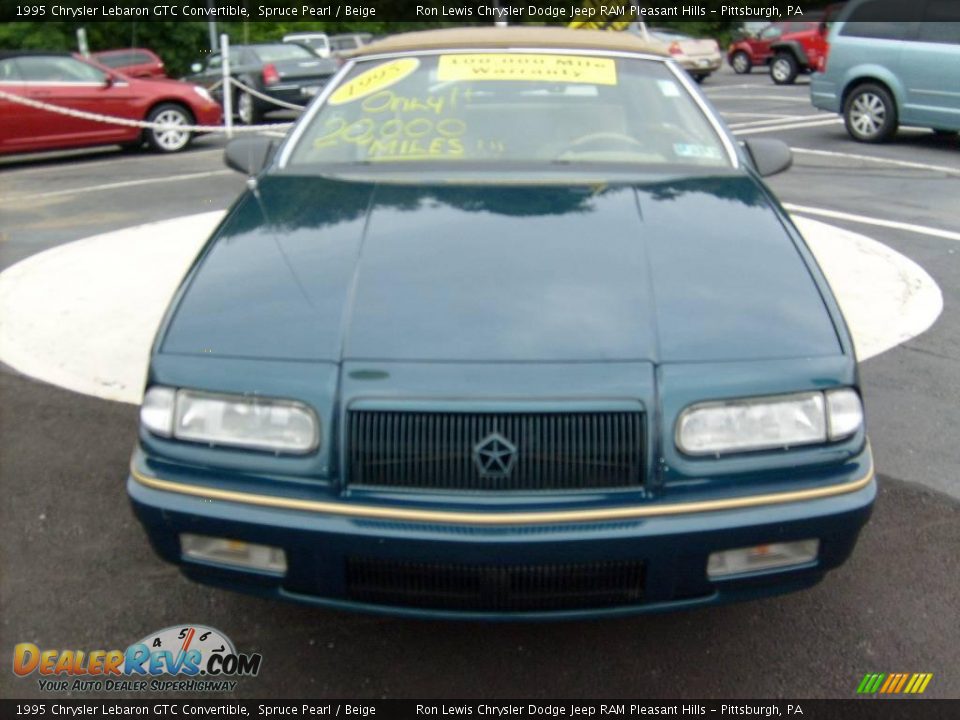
(551,451)
(444,586)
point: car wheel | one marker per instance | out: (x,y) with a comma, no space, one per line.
(784,69)
(247,110)
(169,139)
(740,62)
(700,77)
(870,113)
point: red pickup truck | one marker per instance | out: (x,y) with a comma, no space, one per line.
(790,47)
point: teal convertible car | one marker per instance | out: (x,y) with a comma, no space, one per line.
(507,327)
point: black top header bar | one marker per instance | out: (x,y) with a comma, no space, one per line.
(465,11)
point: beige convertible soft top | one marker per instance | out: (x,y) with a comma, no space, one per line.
(510,37)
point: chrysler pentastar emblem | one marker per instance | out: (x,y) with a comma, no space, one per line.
(495,456)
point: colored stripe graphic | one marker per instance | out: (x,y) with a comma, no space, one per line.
(894,683)
(870,683)
(903,680)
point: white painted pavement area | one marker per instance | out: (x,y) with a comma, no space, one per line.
(83,315)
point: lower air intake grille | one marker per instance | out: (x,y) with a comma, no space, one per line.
(444,586)
(495,451)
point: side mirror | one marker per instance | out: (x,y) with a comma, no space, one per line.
(248,155)
(769,156)
(196,67)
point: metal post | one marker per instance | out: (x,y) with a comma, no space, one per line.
(227,86)
(498,22)
(82,42)
(212,28)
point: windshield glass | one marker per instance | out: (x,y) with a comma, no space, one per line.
(492,108)
(285,51)
(315,41)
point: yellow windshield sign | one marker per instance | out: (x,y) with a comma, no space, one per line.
(528,66)
(374,80)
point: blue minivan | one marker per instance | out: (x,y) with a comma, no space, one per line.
(882,74)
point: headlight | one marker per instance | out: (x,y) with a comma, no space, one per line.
(156,412)
(234,420)
(770,422)
(203,92)
(844,413)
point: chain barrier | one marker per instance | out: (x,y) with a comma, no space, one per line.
(143,124)
(266,98)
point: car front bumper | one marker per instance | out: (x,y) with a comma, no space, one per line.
(672,547)
(207,113)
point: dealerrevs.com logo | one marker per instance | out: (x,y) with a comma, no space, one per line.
(181,658)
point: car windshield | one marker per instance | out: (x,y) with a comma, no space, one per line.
(488,109)
(283,51)
(315,42)
(345,43)
(121,59)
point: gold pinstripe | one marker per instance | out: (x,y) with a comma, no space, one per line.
(504,518)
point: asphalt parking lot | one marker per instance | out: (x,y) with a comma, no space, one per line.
(76,570)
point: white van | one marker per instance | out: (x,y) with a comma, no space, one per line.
(316,41)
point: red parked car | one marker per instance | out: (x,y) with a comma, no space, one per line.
(789,48)
(134,62)
(72,82)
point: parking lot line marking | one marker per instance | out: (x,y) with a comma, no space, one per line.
(754,98)
(871,158)
(10,199)
(792,126)
(781,116)
(864,220)
(734,87)
(112,160)
(788,119)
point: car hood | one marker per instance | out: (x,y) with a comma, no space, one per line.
(679,270)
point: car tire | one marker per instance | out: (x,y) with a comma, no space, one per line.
(171,140)
(741,63)
(784,68)
(700,77)
(870,113)
(247,109)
